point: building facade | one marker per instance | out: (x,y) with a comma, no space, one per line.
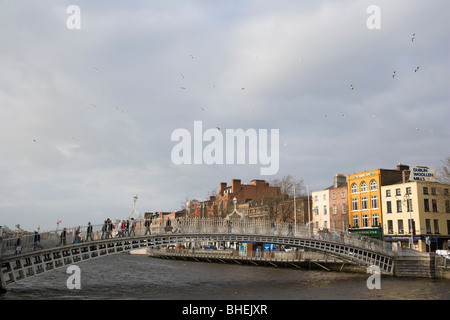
(364,195)
(321,212)
(338,204)
(417,212)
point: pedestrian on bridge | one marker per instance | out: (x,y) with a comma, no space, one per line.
(104,229)
(63,237)
(110,229)
(147,224)
(272,224)
(89,232)
(37,238)
(132,226)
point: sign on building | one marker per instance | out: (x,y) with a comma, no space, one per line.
(422,174)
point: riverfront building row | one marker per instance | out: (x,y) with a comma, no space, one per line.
(401,205)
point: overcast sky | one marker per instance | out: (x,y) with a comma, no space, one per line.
(87,114)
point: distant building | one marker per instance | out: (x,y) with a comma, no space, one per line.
(256,191)
(338,204)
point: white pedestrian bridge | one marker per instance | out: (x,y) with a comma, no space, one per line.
(34,258)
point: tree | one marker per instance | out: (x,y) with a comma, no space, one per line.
(444,171)
(281,206)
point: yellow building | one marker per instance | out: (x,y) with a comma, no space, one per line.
(364,199)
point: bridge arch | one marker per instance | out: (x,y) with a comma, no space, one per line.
(19,267)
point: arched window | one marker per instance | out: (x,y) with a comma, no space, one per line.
(373,185)
(363,187)
(354,188)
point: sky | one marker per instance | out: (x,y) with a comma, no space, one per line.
(89,99)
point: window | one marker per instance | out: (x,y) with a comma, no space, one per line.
(364,203)
(316,210)
(408,190)
(390,227)
(411,226)
(436,226)
(426,204)
(355,221)
(388,193)
(399,205)
(428,225)
(409,205)
(447,206)
(398,192)
(354,188)
(434,205)
(343,195)
(334,195)
(325,210)
(400,226)
(344,208)
(373,185)
(374,202)
(389,207)
(365,220)
(363,187)
(448,226)
(446,192)
(425,190)
(433,191)
(354,204)
(375,220)
(334,209)
(324,197)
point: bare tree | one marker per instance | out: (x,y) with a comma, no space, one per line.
(281,207)
(444,171)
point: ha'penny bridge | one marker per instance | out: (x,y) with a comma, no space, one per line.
(34,258)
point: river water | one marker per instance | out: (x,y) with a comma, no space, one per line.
(126,276)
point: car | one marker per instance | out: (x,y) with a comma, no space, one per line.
(210,247)
(180,246)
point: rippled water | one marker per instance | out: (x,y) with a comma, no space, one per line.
(140,277)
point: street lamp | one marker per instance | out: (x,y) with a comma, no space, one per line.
(406,199)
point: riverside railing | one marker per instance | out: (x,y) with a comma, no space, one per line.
(26,242)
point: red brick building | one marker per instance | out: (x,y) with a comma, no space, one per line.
(338,200)
(256,190)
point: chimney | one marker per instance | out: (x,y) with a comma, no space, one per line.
(339,179)
(402,167)
(405,175)
(223,186)
(235,185)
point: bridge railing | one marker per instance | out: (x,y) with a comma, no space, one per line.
(27,242)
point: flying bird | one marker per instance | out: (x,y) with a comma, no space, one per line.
(393,75)
(351,86)
(96,69)
(218,128)
(183,88)
(192,57)
(416,69)
(413,37)
(203,109)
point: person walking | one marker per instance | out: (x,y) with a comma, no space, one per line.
(18,246)
(120,229)
(290,233)
(110,229)
(63,237)
(104,229)
(37,238)
(147,224)
(89,232)
(132,226)
(272,224)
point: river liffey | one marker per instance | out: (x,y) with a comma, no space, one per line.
(127,276)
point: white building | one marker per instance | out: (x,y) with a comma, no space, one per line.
(321,210)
